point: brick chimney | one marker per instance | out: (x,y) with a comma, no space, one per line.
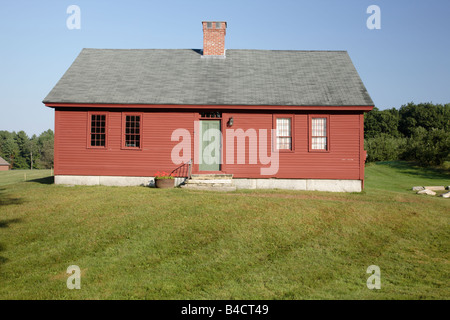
(214,38)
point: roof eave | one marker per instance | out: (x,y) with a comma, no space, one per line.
(210,106)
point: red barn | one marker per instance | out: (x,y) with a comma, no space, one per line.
(4,166)
(270,118)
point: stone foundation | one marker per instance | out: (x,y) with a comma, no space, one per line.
(300,184)
(289,184)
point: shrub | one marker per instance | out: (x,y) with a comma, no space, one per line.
(384,148)
(428,147)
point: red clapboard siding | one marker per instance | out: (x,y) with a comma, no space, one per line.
(74,157)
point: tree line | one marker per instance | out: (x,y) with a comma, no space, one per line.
(23,152)
(415,132)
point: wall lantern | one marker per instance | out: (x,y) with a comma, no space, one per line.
(230,122)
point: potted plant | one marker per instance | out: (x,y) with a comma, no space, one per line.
(164,180)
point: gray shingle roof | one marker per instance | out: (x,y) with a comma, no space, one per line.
(182,76)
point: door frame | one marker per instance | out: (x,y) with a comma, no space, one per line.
(196,166)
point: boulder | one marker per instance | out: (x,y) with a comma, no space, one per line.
(418,188)
(435,188)
(427,191)
(446,195)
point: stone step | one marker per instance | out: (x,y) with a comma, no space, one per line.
(211,176)
(209,187)
(210,182)
(204,181)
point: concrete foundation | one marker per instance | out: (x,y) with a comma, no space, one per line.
(300,184)
(110,181)
(289,184)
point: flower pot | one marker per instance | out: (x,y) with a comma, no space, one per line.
(164,183)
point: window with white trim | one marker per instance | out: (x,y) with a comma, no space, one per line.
(319,134)
(284,133)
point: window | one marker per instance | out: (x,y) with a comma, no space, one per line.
(97,131)
(284,133)
(218,25)
(209,25)
(132,133)
(319,133)
(211,114)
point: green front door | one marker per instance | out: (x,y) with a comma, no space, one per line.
(210,145)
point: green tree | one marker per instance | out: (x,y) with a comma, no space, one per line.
(426,115)
(9,148)
(45,144)
(377,122)
(384,148)
(20,160)
(31,152)
(430,147)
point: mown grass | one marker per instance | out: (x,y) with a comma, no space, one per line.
(143,243)
(14,176)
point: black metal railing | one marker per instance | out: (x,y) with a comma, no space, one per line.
(183,171)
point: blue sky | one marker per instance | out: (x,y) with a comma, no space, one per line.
(408,59)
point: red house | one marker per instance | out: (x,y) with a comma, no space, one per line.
(271,119)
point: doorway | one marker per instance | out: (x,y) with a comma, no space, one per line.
(210,145)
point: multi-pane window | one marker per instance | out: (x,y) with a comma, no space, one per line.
(319,134)
(133,131)
(98,130)
(211,114)
(284,133)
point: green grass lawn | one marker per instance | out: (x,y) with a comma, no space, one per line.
(14,176)
(144,243)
